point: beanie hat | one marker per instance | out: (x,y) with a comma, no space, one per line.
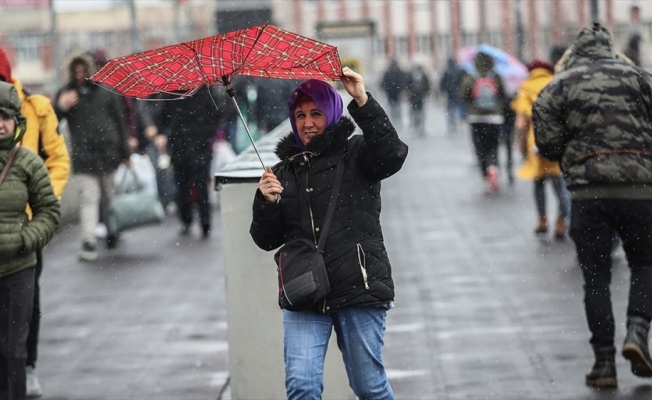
(325,97)
(5,67)
(537,63)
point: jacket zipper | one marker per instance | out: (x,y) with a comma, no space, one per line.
(363,267)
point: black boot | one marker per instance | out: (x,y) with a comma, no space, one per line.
(635,348)
(603,373)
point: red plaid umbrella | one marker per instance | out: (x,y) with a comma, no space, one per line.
(262,51)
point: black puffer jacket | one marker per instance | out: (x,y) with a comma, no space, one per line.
(358,266)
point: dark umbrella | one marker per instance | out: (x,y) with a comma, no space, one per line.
(180,69)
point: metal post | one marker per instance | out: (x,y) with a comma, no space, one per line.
(520,32)
(54,39)
(135,38)
(595,14)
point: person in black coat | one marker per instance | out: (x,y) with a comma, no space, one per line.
(359,271)
(190,124)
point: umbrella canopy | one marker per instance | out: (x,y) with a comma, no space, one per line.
(511,70)
(180,69)
(262,50)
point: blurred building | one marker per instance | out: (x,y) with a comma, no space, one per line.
(366,32)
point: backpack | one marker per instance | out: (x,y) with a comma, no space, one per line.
(485,93)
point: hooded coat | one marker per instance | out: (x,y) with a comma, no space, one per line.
(97,124)
(595,117)
(358,267)
(26,183)
(535,166)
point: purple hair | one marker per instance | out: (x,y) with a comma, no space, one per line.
(326,98)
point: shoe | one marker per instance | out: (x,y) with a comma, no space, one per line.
(112,241)
(492,177)
(88,252)
(560,229)
(33,387)
(206,231)
(635,348)
(603,373)
(185,230)
(101,231)
(542,227)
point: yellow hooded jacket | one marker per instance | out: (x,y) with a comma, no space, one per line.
(42,136)
(535,166)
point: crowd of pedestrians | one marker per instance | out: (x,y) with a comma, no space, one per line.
(587,134)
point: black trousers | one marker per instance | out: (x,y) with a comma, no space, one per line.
(35,322)
(485,142)
(593,223)
(16,297)
(193,175)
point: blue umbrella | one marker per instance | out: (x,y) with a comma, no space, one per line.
(511,70)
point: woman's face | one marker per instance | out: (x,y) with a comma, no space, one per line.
(7,125)
(309,119)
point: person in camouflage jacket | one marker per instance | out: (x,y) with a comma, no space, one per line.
(595,119)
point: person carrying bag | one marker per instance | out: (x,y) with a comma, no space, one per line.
(298,204)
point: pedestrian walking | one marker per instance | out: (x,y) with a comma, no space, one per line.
(41,134)
(418,88)
(358,267)
(393,83)
(449,85)
(594,118)
(536,167)
(98,139)
(483,94)
(24,182)
(189,125)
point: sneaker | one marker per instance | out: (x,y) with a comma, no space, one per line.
(88,252)
(635,348)
(101,231)
(492,177)
(33,387)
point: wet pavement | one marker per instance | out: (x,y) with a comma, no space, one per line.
(484,309)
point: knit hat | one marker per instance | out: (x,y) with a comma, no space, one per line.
(5,67)
(537,63)
(324,95)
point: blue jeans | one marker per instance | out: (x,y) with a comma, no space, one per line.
(360,337)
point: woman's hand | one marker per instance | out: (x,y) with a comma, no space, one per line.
(354,85)
(270,186)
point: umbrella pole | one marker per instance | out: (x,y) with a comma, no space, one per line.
(231,93)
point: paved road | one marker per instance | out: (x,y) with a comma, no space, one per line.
(484,309)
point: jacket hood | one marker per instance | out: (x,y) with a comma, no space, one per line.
(84,58)
(591,45)
(334,137)
(10,104)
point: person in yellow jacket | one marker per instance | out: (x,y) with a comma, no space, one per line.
(536,167)
(43,138)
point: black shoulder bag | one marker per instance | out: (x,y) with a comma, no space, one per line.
(302,274)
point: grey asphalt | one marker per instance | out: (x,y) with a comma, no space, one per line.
(484,310)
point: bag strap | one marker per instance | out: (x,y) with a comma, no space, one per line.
(331,204)
(10,160)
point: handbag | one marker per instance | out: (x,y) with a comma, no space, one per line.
(133,209)
(302,275)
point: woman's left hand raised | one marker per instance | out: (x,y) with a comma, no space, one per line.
(354,85)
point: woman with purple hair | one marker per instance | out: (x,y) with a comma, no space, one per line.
(291,202)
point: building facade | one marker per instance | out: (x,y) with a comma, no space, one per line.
(367,32)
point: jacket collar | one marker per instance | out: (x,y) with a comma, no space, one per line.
(334,137)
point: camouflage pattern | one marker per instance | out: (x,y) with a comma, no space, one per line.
(595,118)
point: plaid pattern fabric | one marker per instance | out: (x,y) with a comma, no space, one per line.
(262,50)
